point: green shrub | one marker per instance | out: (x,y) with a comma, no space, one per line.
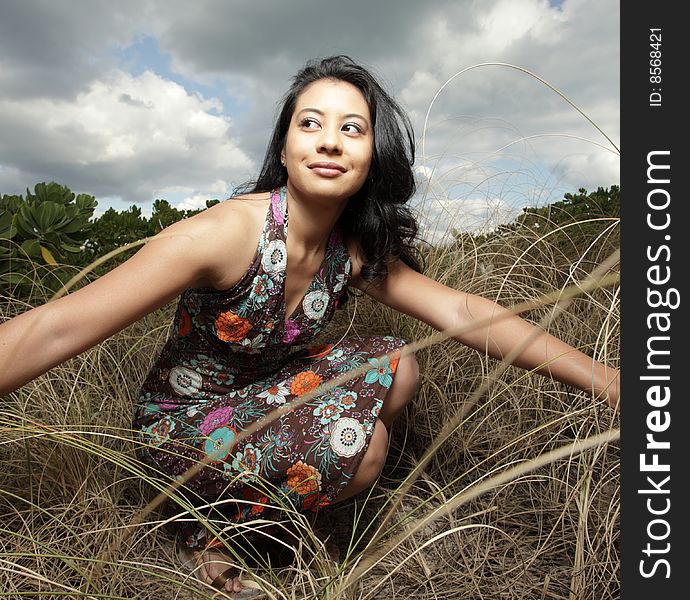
(41,233)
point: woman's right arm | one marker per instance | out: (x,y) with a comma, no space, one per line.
(186,254)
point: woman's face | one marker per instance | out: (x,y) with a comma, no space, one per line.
(330,140)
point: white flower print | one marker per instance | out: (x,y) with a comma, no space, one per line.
(184,381)
(340,277)
(347,437)
(192,410)
(339,282)
(274,258)
(276,394)
(254,345)
(315,304)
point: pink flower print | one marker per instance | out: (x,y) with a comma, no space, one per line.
(168,405)
(216,418)
(291,331)
(277,212)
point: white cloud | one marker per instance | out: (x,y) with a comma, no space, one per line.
(218,190)
(138,133)
(420,89)
(440,217)
(510,21)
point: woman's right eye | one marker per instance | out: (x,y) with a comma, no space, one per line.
(309,123)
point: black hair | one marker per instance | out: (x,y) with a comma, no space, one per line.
(377,216)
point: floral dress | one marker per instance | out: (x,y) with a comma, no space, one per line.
(233,357)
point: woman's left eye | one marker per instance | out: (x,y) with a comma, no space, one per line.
(352,128)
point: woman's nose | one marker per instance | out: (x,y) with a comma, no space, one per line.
(329,140)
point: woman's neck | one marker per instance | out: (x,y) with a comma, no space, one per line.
(310,222)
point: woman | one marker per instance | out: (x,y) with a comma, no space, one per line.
(327,212)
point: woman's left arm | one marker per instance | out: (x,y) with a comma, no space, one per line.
(498,331)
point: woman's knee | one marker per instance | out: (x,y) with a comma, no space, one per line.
(374,458)
(405,385)
(407,375)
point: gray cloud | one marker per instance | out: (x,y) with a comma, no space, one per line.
(54,49)
(69,112)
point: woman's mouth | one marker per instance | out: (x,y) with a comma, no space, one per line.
(327,169)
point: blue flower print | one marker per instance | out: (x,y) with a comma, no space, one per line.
(348,398)
(261,286)
(207,366)
(247,462)
(217,444)
(159,431)
(343,362)
(150,408)
(381,372)
(335,355)
(329,410)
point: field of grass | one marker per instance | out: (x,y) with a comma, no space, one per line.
(499,483)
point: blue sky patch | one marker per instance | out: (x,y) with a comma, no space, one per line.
(146,55)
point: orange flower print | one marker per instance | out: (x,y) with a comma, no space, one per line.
(256,500)
(185,327)
(257,509)
(310,502)
(231,327)
(304,382)
(395,359)
(348,399)
(320,350)
(303,479)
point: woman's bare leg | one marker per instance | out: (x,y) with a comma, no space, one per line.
(405,384)
(404,387)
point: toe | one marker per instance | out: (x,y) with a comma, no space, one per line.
(237,585)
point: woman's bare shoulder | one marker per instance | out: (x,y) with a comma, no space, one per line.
(235,227)
(245,204)
(226,235)
(232,216)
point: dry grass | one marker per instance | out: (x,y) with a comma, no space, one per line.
(521,500)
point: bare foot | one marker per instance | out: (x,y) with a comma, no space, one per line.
(332,548)
(216,569)
(333,551)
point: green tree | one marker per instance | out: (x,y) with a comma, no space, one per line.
(164,215)
(114,229)
(583,208)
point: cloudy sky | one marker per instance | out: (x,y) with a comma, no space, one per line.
(514,102)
